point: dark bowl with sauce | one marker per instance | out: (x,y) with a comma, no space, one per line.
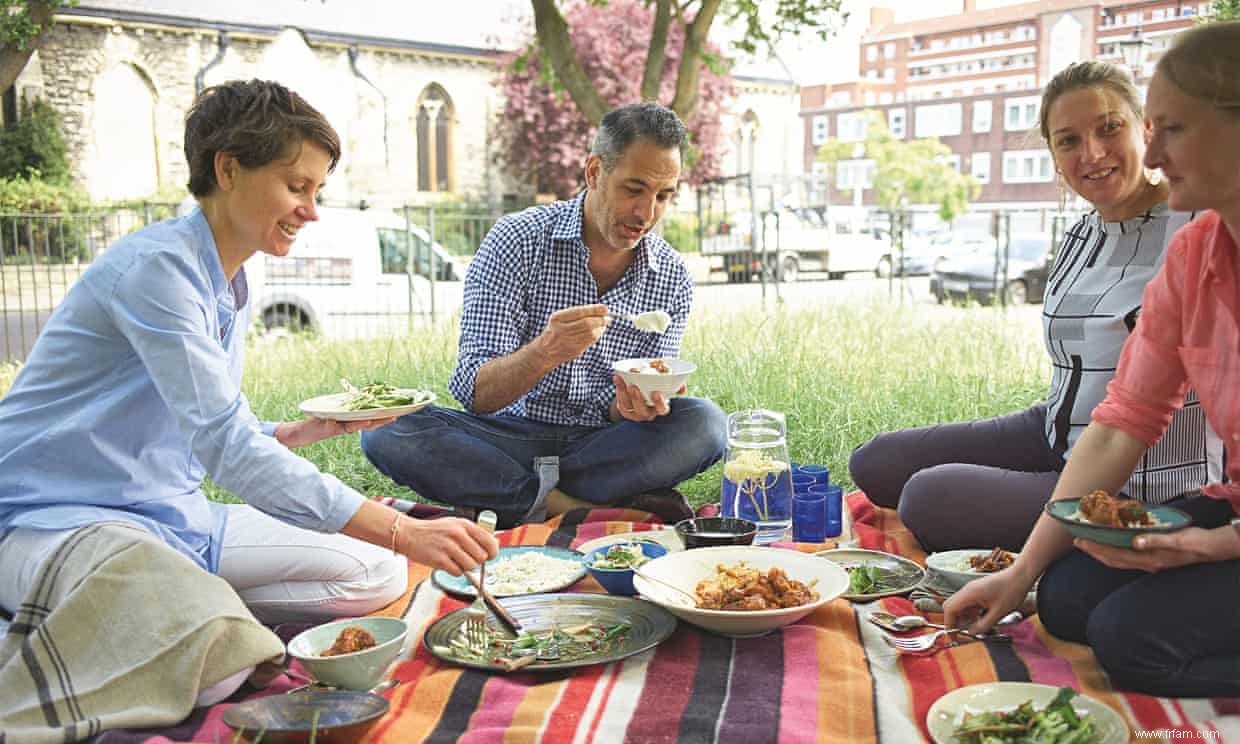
(706,532)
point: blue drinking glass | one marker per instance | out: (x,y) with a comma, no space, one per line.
(820,473)
(809,515)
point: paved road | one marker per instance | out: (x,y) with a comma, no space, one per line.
(18,330)
(17,334)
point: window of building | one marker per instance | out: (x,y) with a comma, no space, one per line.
(1027,166)
(896,122)
(854,174)
(850,127)
(889,74)
(871,53)
(952,160)
(869,98)
(979,167)
(818,129)
(889,49)
(435,119)
(939,120)
(1020,114)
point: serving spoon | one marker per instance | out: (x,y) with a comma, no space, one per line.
(902,623)
(652,321)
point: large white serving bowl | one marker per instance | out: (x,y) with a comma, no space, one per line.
(685,569)
(650,382)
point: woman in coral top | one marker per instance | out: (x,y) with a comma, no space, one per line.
(1161,618)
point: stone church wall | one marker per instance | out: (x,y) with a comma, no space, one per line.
(116,83)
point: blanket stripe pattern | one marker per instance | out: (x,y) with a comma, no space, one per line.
(827,679)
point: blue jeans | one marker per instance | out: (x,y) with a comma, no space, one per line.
(506,463)
(1175,633)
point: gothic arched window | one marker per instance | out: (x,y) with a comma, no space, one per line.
(435,119)
(126,161)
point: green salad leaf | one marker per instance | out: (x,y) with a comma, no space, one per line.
(376,395)
(1057,723)
(869,579)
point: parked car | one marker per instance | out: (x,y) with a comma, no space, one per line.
(972,275)
(349,263)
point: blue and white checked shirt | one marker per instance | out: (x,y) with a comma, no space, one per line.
(132,394)
(534,263)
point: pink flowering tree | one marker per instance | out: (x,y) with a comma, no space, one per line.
(545,135)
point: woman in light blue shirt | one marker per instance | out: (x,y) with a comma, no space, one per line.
(131,395)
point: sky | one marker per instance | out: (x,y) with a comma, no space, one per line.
(809,59)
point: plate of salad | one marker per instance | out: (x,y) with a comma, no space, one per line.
(375,400)
(558,631)
(873,574)
(1023,713)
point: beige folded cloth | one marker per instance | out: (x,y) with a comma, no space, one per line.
(119,630)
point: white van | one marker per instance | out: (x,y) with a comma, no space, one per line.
(349,274)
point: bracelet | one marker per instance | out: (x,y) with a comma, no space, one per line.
(395,528)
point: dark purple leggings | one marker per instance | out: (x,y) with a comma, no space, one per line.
(977,484)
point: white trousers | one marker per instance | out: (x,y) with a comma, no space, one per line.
(283,573)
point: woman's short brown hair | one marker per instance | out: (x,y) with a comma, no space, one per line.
(1204,63)
(257,121)
(1088,74)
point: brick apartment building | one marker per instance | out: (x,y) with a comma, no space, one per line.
(974,81)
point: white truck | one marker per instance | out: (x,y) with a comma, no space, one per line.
(795,241)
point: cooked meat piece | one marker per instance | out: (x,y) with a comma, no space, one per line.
(1098,507)
(997,560)
(1132,513)
(351,640)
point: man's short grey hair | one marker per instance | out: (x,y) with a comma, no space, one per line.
(648,120)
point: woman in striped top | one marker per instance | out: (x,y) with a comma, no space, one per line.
(1160,616)
(1001,471)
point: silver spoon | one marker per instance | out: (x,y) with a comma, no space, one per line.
(913,622)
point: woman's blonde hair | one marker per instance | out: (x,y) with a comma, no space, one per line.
(1204,63)
(1088,74)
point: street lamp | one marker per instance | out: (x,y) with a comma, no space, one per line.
(1132,49)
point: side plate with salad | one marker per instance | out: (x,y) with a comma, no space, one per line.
(1021,712)
(376,400)
(873,574)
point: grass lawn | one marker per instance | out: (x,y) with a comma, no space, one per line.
(840,373)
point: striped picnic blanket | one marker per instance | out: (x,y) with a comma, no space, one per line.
(826,679)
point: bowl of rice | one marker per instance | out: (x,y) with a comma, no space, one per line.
(651,375)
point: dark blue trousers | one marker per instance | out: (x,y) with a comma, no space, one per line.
(1174,633)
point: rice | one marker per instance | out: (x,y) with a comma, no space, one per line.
(529,572)
(1154,520)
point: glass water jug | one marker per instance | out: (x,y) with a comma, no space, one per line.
(757,481)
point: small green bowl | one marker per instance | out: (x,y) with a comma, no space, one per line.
(1171,519)
(361,670)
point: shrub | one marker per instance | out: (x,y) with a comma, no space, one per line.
(681,231)
(33,147)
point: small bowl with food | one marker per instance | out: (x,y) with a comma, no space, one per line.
(612,565)
(665,376)
(350,654)
(955,568)
(1102,518)
(711,532)
(740,591)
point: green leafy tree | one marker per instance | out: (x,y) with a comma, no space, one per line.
(1223,10)
(22,22)
(763,23)
(33,146)
(906,172)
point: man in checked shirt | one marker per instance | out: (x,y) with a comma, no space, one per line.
(547,425)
